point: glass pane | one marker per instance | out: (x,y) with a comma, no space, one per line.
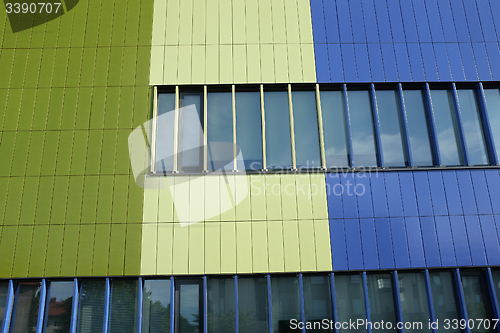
(444,297)
(220,129)
(381,300)
(156,306)
(446,127)
(350,300)
(221,315)
(91,306)
(476,298)
(418,130)
(123,312)
(493,109)
(473,129)
(3,300)
(278,146)
(305,122)
(58,318)
(317,301)
(249,129)
(334,128)
(414,304)
(496,281)
(26,311)
(285,302)
(189,308)
(391,137)
(165,132)
(363,137)
(252,305)
(191,134)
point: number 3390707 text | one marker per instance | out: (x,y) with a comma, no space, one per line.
(32,8)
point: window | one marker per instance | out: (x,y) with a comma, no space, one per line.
(220,130)
(3,300)
(221,303)
(91,306)
(26,311)
(493,110)
(249,129)
(472,127)
(350,298)
(381,299)
(363,137)
(156,306)
(317,300)
(191,133)
(413,296)
(446,128)
(58,307)
(188,317)
(165,133)
(391,137)
(278,142)
(252,304)
(123,306)
(334,129)
(305,122)
(418,129)
(444,296)
(476,298)
(285,301)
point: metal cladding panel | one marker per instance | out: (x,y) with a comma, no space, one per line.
(434,218)
(437,34)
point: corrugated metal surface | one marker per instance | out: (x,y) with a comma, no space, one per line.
(232,41)
(406,41)
(71,91)
(414,219)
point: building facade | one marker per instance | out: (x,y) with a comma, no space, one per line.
(250,166)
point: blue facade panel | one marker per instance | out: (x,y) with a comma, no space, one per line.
(434,40)
(404,219)
(335,62)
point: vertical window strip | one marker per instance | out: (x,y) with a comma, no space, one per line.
(140,291)
(490,143)
(107,298)
(430,302)
(301,296)
(492,293)
(8,308)
(269,304)
(176,130)
(235,166)
(376,125)
(367,300)
(432,127)
(205,130)
(461,297)
(458,117)
(404,123)
(74,307)
(236,307)
(292,130)
(348,125)
(172,306)
(205,305)
(41,306)
(397,298)
(154,129)
(263,116)
(320,128)
(334,299)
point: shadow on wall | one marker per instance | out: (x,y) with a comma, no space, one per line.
(28,14)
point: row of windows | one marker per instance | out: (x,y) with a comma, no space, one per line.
(256,304)
(280,127)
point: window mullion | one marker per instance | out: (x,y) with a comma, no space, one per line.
(233,94)
(205,129)
(320,127)
(404,125)
(492,152)
(376,125)
(176,130)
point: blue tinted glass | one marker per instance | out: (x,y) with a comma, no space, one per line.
(476,298)
(390,128)
(249,129)
(60,296)
(220,304)
(334,129)
(91,306)
(493,109)
(189,308)
(165,133)
(317,300)
(381,298)
(363,138)
(444,297)
(446,127)
(220,129)
(418,130)
(305,122)
(413,296)
(285,302)
(3,300)
(350,299)
(123,307)
(278,146)
(473,129)
(156,306)
(252,305)
(496,281)
(191,135)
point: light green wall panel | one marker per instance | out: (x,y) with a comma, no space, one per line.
(291,246)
